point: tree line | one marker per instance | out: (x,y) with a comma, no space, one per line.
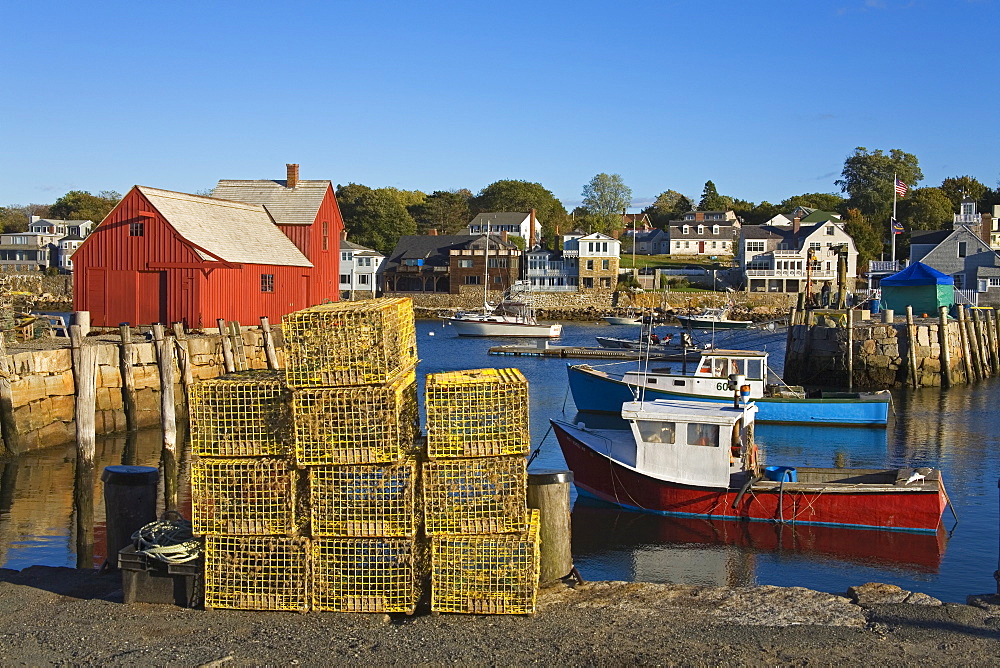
(378,217)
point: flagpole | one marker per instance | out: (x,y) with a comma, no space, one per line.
(892,221)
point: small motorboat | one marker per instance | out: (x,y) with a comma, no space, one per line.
(712,318)
(695,458)
(707,381)
(622,320)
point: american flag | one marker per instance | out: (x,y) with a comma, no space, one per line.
(900,188)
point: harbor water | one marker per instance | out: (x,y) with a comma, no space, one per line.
(957,430)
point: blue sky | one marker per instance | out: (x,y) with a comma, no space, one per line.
(764,98)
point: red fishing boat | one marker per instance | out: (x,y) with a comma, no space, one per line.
(696,458)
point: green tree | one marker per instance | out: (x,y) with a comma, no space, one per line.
(867,180)
(821,201)
(957,188)
(522,196)
(669,205)
(374,217)
(711,200)
(606,197)
(14,218)
(81,205)
(926,209)
(445,211)
(867,238)
(759,213)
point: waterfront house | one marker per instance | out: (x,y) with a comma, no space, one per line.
(703,233)
(586,263)
(524,225)
(306,211)
(649,242)
(29,251)
(359,267)
(964,253)
(163,256)
(776,258)
(450,263)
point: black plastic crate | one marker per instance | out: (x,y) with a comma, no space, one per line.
(146,580)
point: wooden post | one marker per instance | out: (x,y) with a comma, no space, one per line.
(964,340)
(970,338)
(911,342)
(982,349)
(850,349)
(239,353)
(11,438)
(548,491)
(84,413)
(126,362)
(269,352)
(165,364)
(227,351)
(183,358)
(945,343)
(994,349)
(791,329)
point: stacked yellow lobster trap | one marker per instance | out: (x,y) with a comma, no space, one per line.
(313,491)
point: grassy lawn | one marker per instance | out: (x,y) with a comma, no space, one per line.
(664,261)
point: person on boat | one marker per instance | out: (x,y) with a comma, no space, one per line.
(824,294)
(654,339)
(686,340)
(667,339)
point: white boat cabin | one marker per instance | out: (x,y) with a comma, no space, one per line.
(710,377)
(691,442)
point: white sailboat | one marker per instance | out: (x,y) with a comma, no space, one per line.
(513,316)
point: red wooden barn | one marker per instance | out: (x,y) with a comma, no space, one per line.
(163,256)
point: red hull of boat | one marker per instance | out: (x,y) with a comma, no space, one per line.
(607,480)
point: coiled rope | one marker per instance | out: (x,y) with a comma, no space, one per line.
(170,541)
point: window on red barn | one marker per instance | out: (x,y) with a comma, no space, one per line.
(326,235)
(267,282)
(136,229)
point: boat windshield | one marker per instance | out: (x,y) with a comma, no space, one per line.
(656,431)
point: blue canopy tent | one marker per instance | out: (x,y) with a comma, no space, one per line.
(923,287)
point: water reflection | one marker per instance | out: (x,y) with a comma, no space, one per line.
(611,543)
(43,520)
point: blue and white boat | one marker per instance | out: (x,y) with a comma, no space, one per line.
(600,391)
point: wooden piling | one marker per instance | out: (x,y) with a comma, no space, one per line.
(970,338)
(84,359)
(548,491)
(850,349)
(944,342)
(964,340)
(982,351)
(11,438)
(239,352)
(168,417)
(269,352)
(126,364)
(227,350)
(911,343)
(183,357)
(993,329)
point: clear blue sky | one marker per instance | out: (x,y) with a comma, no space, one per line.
(764,98)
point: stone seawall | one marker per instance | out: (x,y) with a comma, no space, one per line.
(818,354)
(44,392)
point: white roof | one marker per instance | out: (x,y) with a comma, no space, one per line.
(678,410)
(288,206)
(234,231)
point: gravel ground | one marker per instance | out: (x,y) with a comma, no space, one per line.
(63,616)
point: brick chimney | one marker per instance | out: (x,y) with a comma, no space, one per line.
(531,230)
(343,235)
(291,175)
(795,225)
(432,232)
(985,227)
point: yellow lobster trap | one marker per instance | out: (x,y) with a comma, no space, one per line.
(364,500)
(368,342)
(487,575)
(356,425)
(257,573)
(477,413)
(475,496)
(242,496)
(366,574)
(241,415)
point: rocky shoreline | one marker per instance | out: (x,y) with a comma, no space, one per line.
(65,616)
